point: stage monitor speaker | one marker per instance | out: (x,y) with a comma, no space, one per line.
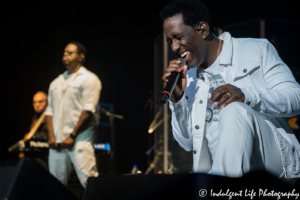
(27,179)
(183,186)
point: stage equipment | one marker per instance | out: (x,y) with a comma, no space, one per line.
(105,138)
(27,180)
(154,124)
(184,186)
(29,143)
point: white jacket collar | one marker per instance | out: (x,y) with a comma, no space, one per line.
(226,56)
(81,70)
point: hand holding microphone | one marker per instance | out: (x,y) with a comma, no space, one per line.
(175,77)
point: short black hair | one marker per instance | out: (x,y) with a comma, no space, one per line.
(80,49)
(193,11)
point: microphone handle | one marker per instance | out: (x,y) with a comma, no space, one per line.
(173,78)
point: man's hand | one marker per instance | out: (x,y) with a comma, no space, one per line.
(52,143)
(174,66)
(220,95)
(67,143)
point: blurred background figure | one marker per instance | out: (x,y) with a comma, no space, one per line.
(40,103)
(38,130)
(73,97)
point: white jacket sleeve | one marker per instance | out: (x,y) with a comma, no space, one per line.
(91,89)
(281,98)
(182,123)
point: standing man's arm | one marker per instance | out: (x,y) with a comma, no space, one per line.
(51,139)
(82,122)
(90,95)
(49,111)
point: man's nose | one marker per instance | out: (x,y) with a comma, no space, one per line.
(175,46)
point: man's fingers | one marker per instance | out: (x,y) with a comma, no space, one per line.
(53,145)
(217,94)
(174,68)
(165,77)
(230,100)
(184,69)
(224,98)
(64,145)
(171,69)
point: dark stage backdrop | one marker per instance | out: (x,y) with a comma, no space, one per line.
(120,42)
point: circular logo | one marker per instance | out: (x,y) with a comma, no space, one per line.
(202,192)
(209,114)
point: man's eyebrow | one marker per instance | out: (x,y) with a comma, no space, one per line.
(178,34)
(175,35)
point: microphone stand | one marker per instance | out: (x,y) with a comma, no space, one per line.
(111,120)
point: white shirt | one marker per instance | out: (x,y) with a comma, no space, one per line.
(212,80)
(268,84)
(68,96)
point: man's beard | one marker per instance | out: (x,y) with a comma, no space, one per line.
(39,113)
(65,64)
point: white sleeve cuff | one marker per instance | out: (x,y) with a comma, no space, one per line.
(250,98)
(89,107)
(179,105)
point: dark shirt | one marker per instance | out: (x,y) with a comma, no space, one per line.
(42,132)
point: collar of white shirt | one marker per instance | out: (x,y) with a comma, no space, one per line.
(81,70)
(226,56)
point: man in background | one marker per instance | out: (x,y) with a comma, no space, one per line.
(73,97)
(40,103)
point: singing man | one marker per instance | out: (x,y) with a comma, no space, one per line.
(232,96)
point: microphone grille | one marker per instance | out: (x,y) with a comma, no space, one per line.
(182,61)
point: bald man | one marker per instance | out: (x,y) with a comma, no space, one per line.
(40,103)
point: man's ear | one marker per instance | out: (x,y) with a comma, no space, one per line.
(203,29)
(82,57)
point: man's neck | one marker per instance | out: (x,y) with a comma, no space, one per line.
(213,52)
(38,114)
(74,69)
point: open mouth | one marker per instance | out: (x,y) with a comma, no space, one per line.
(185,55)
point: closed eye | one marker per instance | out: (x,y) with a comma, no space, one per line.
(178,36)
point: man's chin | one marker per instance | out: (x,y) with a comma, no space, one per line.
(65,64)
(39,112)
(191,65)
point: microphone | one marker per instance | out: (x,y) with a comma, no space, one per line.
(173,78)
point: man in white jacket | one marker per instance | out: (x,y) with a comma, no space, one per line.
(229,104)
